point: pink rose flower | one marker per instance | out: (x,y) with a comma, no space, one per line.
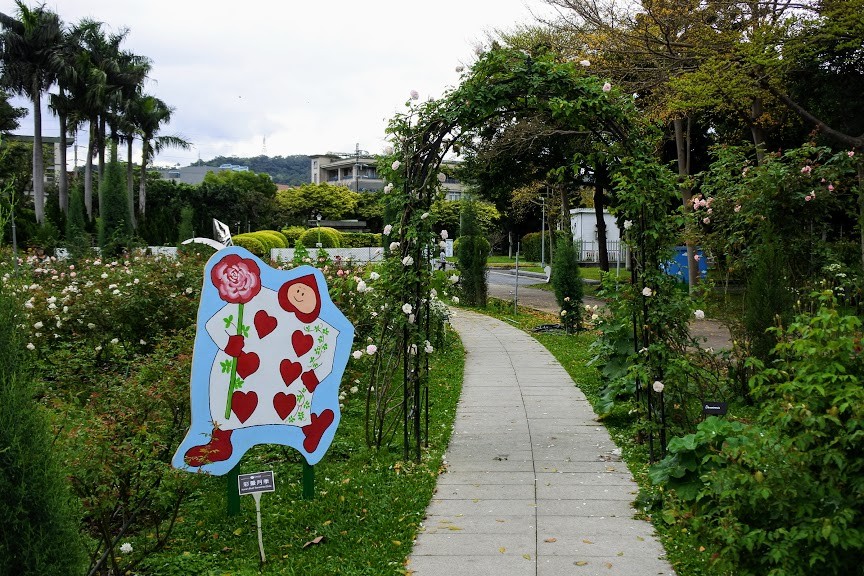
(237,279)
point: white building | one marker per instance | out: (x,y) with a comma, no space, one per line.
(359,172)
(583,224)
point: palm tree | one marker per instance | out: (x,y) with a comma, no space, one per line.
(151,113)
(30,46)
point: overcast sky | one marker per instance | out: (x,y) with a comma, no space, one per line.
(289,77)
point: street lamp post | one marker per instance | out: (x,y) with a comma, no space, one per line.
(543,233)
(318,226)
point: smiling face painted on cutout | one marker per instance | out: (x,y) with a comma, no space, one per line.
(301,297)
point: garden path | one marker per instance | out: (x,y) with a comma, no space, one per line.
(534,485)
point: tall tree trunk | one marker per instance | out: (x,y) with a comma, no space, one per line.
(682,145)
(130,183)
(601,174)
(38,159)
(63,176)
(142,183)
(88,169)
(756,129)
(101,128)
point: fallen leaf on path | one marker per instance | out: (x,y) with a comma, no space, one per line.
(526,556)
(586,541)
(551,540)
(608,565)
(314,541)
(502,549)
(580,563)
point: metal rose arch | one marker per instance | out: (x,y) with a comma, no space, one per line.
(502,85)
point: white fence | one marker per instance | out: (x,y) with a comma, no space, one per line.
(369,254)
(590,252)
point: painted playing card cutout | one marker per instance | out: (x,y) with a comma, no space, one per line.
(270,351)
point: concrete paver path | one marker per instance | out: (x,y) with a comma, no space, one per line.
(534,486)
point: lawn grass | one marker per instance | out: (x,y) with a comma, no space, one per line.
(367,507)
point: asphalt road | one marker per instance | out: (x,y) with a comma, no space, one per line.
(503,285)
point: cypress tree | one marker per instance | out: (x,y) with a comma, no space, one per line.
(40,525)
(114,226)
(472,252)
(567,282)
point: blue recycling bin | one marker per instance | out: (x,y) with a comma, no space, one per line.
(677,267)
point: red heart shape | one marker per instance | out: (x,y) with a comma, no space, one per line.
(310,380)
(289,371)
(302,343)
(247,364)
(264,323)
(243,404)
(235,346)
(284,404)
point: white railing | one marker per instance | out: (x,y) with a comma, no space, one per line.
(369,254)
(616,249)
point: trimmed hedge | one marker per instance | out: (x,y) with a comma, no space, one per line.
(251,243)
(330,237)
(276,238)
(292,234)
(360,240)
(531,248)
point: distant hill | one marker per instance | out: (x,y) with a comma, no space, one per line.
(290,170)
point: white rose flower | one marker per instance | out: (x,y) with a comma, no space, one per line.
(126,548)
(442,177)
(455,299)
(428,347)
(407,261)
(38,325)
(411,318)
(443,234)
(647,291)
(357,354)
(699,314)
(407,308)
(387,229)
(628,224)
(424,216)
(354,389)
(396,164)
(361,286)
(371,349)
(30,346)
(563,313)
(394,246)
(585,63)
(658,386)
(454,279)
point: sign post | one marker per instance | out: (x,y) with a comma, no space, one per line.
(714,408)
(255,484)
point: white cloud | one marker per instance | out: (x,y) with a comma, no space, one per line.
(307,77)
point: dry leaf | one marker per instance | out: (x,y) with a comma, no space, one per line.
(620,553)
(502,549)
(397,542)
(314,541)
(327,522)
(701,548)
(580,563)
(526,556)
(454,528)
(586,541)
(640,539)
(238,531)
(608,565)
(551,540)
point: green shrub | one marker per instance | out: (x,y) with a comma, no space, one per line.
(531,248)
(330,237)
(292,234)
(472,254)
(786,494)
(40,533)
(114,226)
(767,297)
(277,239)
(360,240)
(249,242)
(567,282)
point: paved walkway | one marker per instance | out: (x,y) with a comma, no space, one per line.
(534,485)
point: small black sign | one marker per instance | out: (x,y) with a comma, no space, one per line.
(714,408)
(257,482)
